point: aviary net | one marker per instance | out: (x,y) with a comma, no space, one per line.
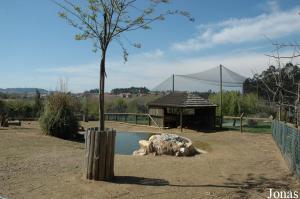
(208,80)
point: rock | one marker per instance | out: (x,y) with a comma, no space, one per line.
(140,152)
(167,144)
(146,145)
(183,151)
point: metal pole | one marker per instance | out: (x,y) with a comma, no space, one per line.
(296,105)
(221,96)
(257,89)
(173,80)
(181,119)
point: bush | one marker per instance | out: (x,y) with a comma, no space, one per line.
(19,109)
(59,118)
(117,106)
(252,123)
(2,107)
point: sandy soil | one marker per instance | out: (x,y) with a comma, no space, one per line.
(237,166)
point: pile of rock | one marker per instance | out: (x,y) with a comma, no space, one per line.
(166,144)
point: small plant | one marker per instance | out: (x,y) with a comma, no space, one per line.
(58,118)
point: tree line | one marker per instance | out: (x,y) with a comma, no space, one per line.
(117,91)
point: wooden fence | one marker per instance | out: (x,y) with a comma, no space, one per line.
(242,120)
(135,118)
(99,154)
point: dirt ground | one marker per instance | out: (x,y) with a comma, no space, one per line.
(236,166)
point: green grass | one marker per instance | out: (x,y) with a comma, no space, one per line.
(265,129)
(259,127)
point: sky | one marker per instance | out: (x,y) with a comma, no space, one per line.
(37,48)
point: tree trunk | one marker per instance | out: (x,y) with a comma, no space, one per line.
(101,92)
(102,75)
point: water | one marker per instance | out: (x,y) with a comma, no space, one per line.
(126,143)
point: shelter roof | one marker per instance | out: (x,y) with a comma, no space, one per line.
(183,100)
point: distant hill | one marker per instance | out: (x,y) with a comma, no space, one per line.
(22,90)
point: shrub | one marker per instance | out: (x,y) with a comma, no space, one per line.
(19,109)
(59,118)
(117,106)
(252,122)
(2,107)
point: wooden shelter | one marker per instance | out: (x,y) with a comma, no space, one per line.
(181,109)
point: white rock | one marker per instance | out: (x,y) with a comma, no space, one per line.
(146,145)
(139,152)
(167,144)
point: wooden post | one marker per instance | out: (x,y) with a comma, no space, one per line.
(96,155)
(91,153)
(221,98)
(112,157)
(149,121)
(279,114)
(99,154)
(103,148)
(108,155)
(87,145)
(241,122)
(136,118)
(181,119)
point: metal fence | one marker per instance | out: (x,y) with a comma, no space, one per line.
(287,138)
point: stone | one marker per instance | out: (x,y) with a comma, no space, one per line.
(140,152)
(167,144)
(146,145)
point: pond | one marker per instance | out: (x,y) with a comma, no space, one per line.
(127,143)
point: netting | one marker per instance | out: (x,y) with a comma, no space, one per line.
(288,140)
(203,81)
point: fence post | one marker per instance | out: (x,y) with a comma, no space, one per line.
(279,114)
(136,119)
(149,121)
(241,122)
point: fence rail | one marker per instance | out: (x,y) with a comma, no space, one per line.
(135,118)
(288,141)
(247,124)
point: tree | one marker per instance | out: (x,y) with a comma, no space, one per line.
(3,113)
(105,21)
(281,81)
(37,103)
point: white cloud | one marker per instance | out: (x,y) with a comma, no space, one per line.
(156,54)
(274,25)
(273,6)
(86,68)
